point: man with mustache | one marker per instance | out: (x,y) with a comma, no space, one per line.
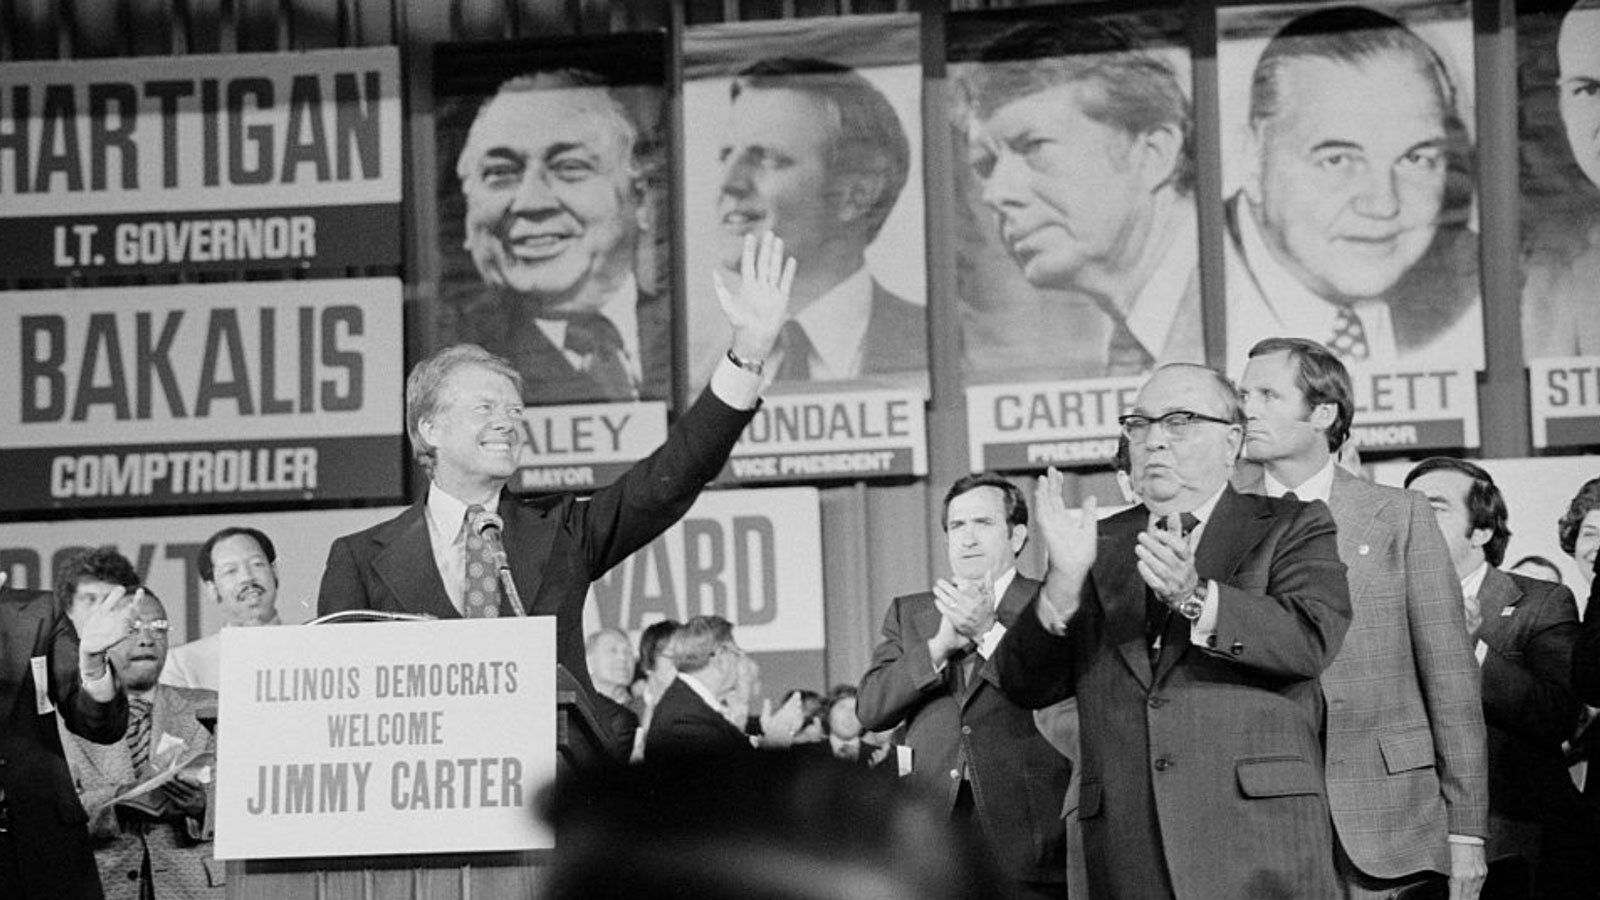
(239,570)
(555,177)
(1350,224)
(817,155)
(156,849)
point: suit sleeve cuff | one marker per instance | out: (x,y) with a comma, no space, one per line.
(1205,627)
(734,386)
(1466,839)
(102,689)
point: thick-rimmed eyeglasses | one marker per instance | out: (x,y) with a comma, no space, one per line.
(1176,423)
(156,627)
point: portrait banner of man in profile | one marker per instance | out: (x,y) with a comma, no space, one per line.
(550,162)
(1072,144)
(1558,64)
(811,129)
(1349,182)
(1074,181)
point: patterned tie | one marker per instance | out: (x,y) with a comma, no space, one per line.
(138,736)
(598,342)
(481,598)
(1157,614)
(796,349)
(1125,354)
(1349,337)
(1474,616)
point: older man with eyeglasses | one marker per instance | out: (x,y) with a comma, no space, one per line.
(1192,628)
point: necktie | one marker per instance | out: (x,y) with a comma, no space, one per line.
(796,365)
(1474,616)
(598,342)
(1349,338)
(1125,354)
(138,736)
(481,598)
(1157,614)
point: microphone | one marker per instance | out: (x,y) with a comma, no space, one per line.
(488,526)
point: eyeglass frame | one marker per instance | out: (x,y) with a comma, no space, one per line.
(1132,421)
(153,627)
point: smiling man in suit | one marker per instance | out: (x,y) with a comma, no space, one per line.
(1192,628)
(1407,774)
(1523,631)
(932,672)
(464,417)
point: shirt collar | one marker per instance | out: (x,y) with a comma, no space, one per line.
(1003,584)
(1156,306)
(836,324)
(1471,584)
(1201,513)
(1318,487)
(447,515)
(698,686)
(620,305)
(1299,310)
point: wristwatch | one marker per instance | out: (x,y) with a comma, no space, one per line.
(1193,605)
(753,366)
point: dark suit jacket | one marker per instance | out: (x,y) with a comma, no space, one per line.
(556,545)
(1203,778)
(48,825)
(897,335)
(1018,778)
(1529,627)
(684,725)
(1586,653)
(500,322)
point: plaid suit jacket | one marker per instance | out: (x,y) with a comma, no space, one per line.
(1407,751)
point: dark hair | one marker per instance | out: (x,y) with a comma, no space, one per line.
(1321,377)
(99,564)
(1015,503)
(1123,461)
(1485,507)
(787,824)
(863,130)
(1585,501)
(1134,91)
(814,708)
(1534,559)
(654,642)
(203,559)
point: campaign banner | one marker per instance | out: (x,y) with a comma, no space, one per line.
(1564,395)
(164,551)
(854,435)
(385,738)
(1414,409)
(580,448)
(753,557)
(1066,424)
(186,163)
(201,394)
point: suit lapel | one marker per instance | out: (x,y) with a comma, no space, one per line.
(1236,526)
(1497,594)
(1122,591)
(1018,595)
(1355,510)
(525,542)
(406,566)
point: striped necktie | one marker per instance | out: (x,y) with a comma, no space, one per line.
(138,736)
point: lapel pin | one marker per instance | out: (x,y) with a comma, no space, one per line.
(1363,549)
(1507,611)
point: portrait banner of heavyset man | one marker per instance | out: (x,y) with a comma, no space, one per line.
(551,200)
(811,129)
(1073,166)
(1348,180)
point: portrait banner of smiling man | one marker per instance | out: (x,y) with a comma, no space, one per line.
(1077,252)
(812,129)
(1347,175)
(551,194)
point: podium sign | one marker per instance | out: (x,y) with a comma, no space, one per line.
(385,738)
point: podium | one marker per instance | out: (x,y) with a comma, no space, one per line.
(583,741)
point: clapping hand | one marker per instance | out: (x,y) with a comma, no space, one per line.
(757,312)
(1165,561)
(1071,541)
(967,604)
(779,728)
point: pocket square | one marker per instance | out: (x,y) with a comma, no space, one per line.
(1507,611)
